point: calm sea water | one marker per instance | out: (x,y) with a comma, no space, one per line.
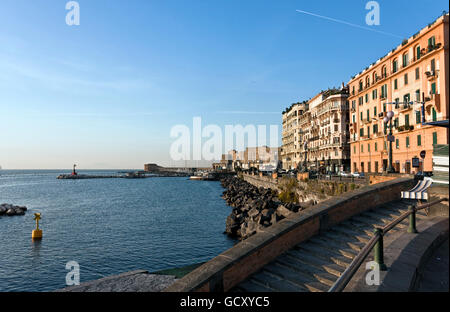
(108,226)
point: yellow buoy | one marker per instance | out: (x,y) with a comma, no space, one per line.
(37,233)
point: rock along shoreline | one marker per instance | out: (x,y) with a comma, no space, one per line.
(253,208)
(11,210)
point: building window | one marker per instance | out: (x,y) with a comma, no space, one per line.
(367,97)
(368,114)
(418,117)
(406,98)
(375,129)
(395,84)
(361,115)
(419,140)
(394,66)
(375,111)
(368,148)
(384,91)
(434,114)
(431,43)
(407,141)
(407,120)
(418,95)
(368,132)
(433,88)
(361,99)
(384,72)
(360,85)
(384,107)
(397,145)
(417,73)
(418,53)
(354,149)
(433,65)
(405,60)
(361,132)
(376,147)
(406,79)
(354,118)
(362,148)
(435,142)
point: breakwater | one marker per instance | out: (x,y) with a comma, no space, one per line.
(253,208)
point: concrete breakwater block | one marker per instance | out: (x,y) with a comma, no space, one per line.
(11,210)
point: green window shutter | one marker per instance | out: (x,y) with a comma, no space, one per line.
(419,140)
(396,143)
(434,138)
(395,84)
(407,141)
(418,119)
(376,147)
(434,116)
(368,148)
(418,52)
(361,115)
(433,88)
(407,120)
(375,111)
(417,73)
(362,148)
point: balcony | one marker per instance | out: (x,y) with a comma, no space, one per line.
(431,75)
(366,120)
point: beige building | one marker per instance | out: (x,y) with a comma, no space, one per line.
(411,81)
(290,150)
(315,133)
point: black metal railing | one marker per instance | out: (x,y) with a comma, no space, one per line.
(376,243)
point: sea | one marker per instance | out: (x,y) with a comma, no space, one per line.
(106,226)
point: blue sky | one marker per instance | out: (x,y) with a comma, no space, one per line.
(105,94)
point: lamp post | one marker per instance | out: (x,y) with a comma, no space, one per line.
(388,121)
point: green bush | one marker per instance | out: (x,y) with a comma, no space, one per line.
(288,187)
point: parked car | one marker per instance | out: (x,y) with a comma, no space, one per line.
(358,174)
(344,174)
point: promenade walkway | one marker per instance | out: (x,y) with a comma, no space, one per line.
(435,276)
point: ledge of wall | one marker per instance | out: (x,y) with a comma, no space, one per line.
(234,265)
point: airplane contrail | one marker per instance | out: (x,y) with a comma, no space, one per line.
(349,24)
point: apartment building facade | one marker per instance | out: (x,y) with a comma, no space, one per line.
(411,81)
(316,133)
(290,150)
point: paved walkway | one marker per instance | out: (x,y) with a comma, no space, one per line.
(435,276)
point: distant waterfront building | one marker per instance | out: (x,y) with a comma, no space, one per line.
(251,157)
(415,72)
(315,133)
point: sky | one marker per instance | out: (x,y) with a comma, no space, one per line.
(106,94)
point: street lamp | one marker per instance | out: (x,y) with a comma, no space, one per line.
(388,119)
